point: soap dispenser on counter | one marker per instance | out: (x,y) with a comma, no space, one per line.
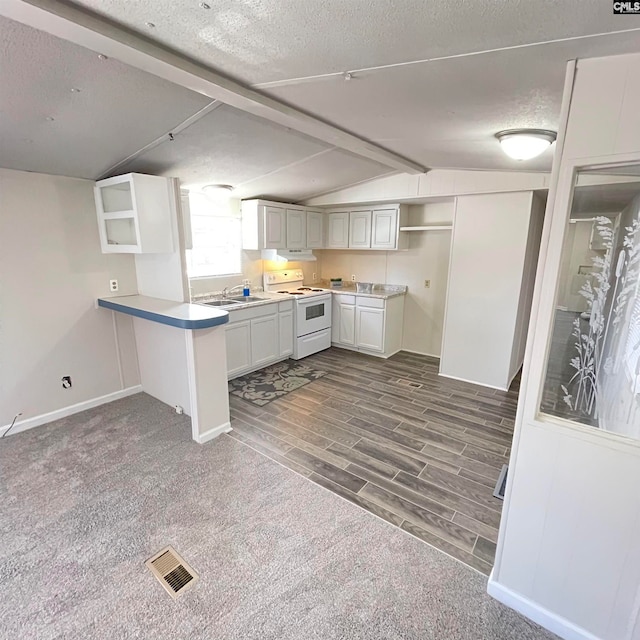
(245,288)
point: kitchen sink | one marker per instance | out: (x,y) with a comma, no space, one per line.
(245,298)
(221,303)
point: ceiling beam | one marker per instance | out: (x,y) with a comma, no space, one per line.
(101,35)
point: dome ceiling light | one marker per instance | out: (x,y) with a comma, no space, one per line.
(524,144)
(217,191)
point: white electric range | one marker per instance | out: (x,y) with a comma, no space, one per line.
(312,311)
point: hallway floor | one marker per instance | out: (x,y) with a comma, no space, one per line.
(420,451)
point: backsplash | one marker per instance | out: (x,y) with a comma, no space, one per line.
(253,268)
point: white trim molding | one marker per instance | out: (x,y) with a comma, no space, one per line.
(480,384)
(213,433)
(65,412)
(545,618)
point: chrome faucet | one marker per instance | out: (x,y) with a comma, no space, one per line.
(226,291)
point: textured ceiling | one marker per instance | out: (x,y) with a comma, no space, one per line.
(255,156)
(445,113)
(438,113)
(265,40)
(117,110)
(227,145)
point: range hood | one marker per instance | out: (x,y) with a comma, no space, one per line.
(288,255)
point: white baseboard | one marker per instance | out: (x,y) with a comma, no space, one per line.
(44,418)
(213,433)
(365,352)
(545,618)
(480,384)
(421,353)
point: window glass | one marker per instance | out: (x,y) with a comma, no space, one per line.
(217,238)
(593,367)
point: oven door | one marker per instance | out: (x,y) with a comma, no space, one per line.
(313,313)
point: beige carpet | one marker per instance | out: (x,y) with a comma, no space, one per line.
(86,500)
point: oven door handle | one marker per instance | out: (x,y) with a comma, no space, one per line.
(313,300)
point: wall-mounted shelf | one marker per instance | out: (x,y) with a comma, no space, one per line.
(429,227)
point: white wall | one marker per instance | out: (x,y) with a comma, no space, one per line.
(164,275)
(435,183)
(532,254)
(253,268)
(568,552)
(51,272)
(487,265)
(426,259)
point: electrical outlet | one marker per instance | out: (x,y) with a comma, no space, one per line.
(314,276)
(66,382)
(353,278)
(113,285)
(427,284)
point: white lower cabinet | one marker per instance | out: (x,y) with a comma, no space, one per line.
(370,328)
(238,338)
(343,321)
(370,325)
(258,336)
(285,327)
(264,340)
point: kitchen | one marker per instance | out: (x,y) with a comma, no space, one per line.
(294,324)
(409,390)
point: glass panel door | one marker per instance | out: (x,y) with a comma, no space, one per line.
(593,366)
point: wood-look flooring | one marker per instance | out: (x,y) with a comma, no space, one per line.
(418,450)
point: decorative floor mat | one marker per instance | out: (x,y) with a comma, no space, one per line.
(264,386)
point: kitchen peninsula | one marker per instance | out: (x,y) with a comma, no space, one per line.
(182,358)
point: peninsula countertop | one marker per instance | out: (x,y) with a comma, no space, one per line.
(182,315)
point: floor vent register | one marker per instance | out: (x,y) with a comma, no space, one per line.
(501,485)
(173,573)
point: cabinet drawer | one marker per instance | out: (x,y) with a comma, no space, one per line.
(371,303)
(287,305)
(253,312)
(345,299)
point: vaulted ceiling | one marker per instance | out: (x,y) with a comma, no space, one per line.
(431,82)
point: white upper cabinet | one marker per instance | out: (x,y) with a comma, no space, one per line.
(315,230)
(360,229)
(296,229)
(275,228)
(384,229)
(377,228)
(338,230)
(134,214)
(275,225)
(264,226)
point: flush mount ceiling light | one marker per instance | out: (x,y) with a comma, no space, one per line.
(524,144)
(217,191)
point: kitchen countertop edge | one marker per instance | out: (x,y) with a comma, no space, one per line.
(182,315)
